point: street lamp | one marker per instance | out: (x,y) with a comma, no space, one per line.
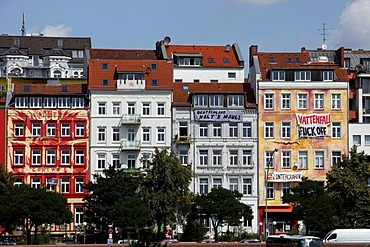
(84,224)
(76,226)
(274,227)
(266,182)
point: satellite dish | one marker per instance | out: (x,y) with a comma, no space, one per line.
(167,40)
(324,46)
(228,47)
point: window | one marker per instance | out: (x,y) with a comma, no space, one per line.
(153,66)
(231,75)
(203,186)
(203,129)
(247,186)
(131,160)
(160,137)
(18,129)
(50,102)
(64,102)
(80,157)
(285,101)
(189,61)
(36,157)
(336,101)
(216,100)
(302,76)
(233,130)
(183,157)
(233,184)
(50,157)
(319,160)
(35,102)
(356,140)
(269,129)
(65,155)
(78,102)
(216,157)
(80,129)
(269,101)
(319,101)
(101,161)
(160,109)
(116,134)
(104,66)
(270,191)
(64,88)
(297,59)
(226,60)
(51,184)
(36,129)
(79,183)
(247,129)
(367,140)
(105,82)
(80,54)
(200,100)
(336,130)
(131,134)
(146,134)
(154,82)
(65,129)
(302,159)
(286,161)
(302,101)
(272,60)
(211,60)
(21,102)
(328,75)
(285,129)
(217,130)
(183,128)
(278,75)
(217,183)
(178,80)
(203,157)
(146,109)
(286,188)
(50,129)
(336,157)
(235,100)
(233,155)
(116,108)
(66,184)
(247,158)
(101,108)
(36,183)
(79,216)
(101,134)
(269,159)
(116,161)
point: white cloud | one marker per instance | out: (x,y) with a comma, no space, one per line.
(57,31)
(353,30)
(265,2)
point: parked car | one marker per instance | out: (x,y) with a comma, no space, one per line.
(250,240)
(126,241)
(207,240)
(8,242)
(170,241)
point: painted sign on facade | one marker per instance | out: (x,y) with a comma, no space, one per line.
(313,125)
(284,176)
(218,116)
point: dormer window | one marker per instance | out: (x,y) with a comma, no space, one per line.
(211,60)
(188,59)
(297,60)
(303,76)
(289,60)
(59,42)
(26,88)
(272,60)
(328,75)
(226,60)
(278,75)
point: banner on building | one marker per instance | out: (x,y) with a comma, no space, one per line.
(284,176)
(52,181)
(313,125)
(218,115)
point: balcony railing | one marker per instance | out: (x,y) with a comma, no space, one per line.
(130,84)
(130,145)
(183,139)
(130,119)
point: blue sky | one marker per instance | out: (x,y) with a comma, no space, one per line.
(273,25)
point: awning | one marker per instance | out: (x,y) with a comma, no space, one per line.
(279,210)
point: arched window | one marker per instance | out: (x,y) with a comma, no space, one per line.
(57,74)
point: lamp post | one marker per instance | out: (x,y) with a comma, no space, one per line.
(260,229)
(266,182)
(274,227)
(76,226)
(84,224)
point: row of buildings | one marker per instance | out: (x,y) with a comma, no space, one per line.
(71,110)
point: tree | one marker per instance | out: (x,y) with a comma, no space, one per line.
(222,206)
(32,207)
(347,182)
(165,187)
(6,180)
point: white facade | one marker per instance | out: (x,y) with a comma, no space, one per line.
(359,135)
(207,74)
(126,125)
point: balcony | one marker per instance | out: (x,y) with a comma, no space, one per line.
(183,139)
(130,84)
(130,119)
(130,145)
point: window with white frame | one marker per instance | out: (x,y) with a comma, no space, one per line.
(336,157)
(319,160)
(102,108)
(65,129)
(302,101)
(285,101)
(233,157)
(131,134)
(217,129)
(302,159)
(269,101)
(131,161)
(146,108)
(247,186)
(160,109)
(116,161)
(78,102)
(233,129)
(64,102)
(328,75)
(18,181)
(65,156)
(286,188)
(101,158)
(231,75)
(160,134)
(336,130)
(286,129)
(65,185)
(216,157)
(116,108)
(36,129)
(336,101)
(247,158)
(79,215)
(35,102)
(302,76)
(203,129)
(146,134)
(203,186)
(18,129)
(319,101)
(183,155)
(286,159)
(116,137)
(79,157)
(233,184)
(50,102)
(131,108)
(269,159)
(80,129)
(367,140)
(278,75)
(203,157)
(50,156)
(79,183)
(200,100)
(270,191)
(18,157)
(183,128)
(216,100)
(36,157)
(247,129)
(356,140)
(269,129)
(101,134)
(51,184)
(36,183)
(235,100)
(217,183)
(21,102)
(50,129)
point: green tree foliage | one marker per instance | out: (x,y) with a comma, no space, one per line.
(347,182)
(222,206)
(35,207)
(166,186)
(6,180)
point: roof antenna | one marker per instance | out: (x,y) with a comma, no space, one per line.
(324,31)
(23,29)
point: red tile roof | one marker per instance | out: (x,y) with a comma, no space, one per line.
(122,54)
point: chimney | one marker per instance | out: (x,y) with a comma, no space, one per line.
(253,50)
